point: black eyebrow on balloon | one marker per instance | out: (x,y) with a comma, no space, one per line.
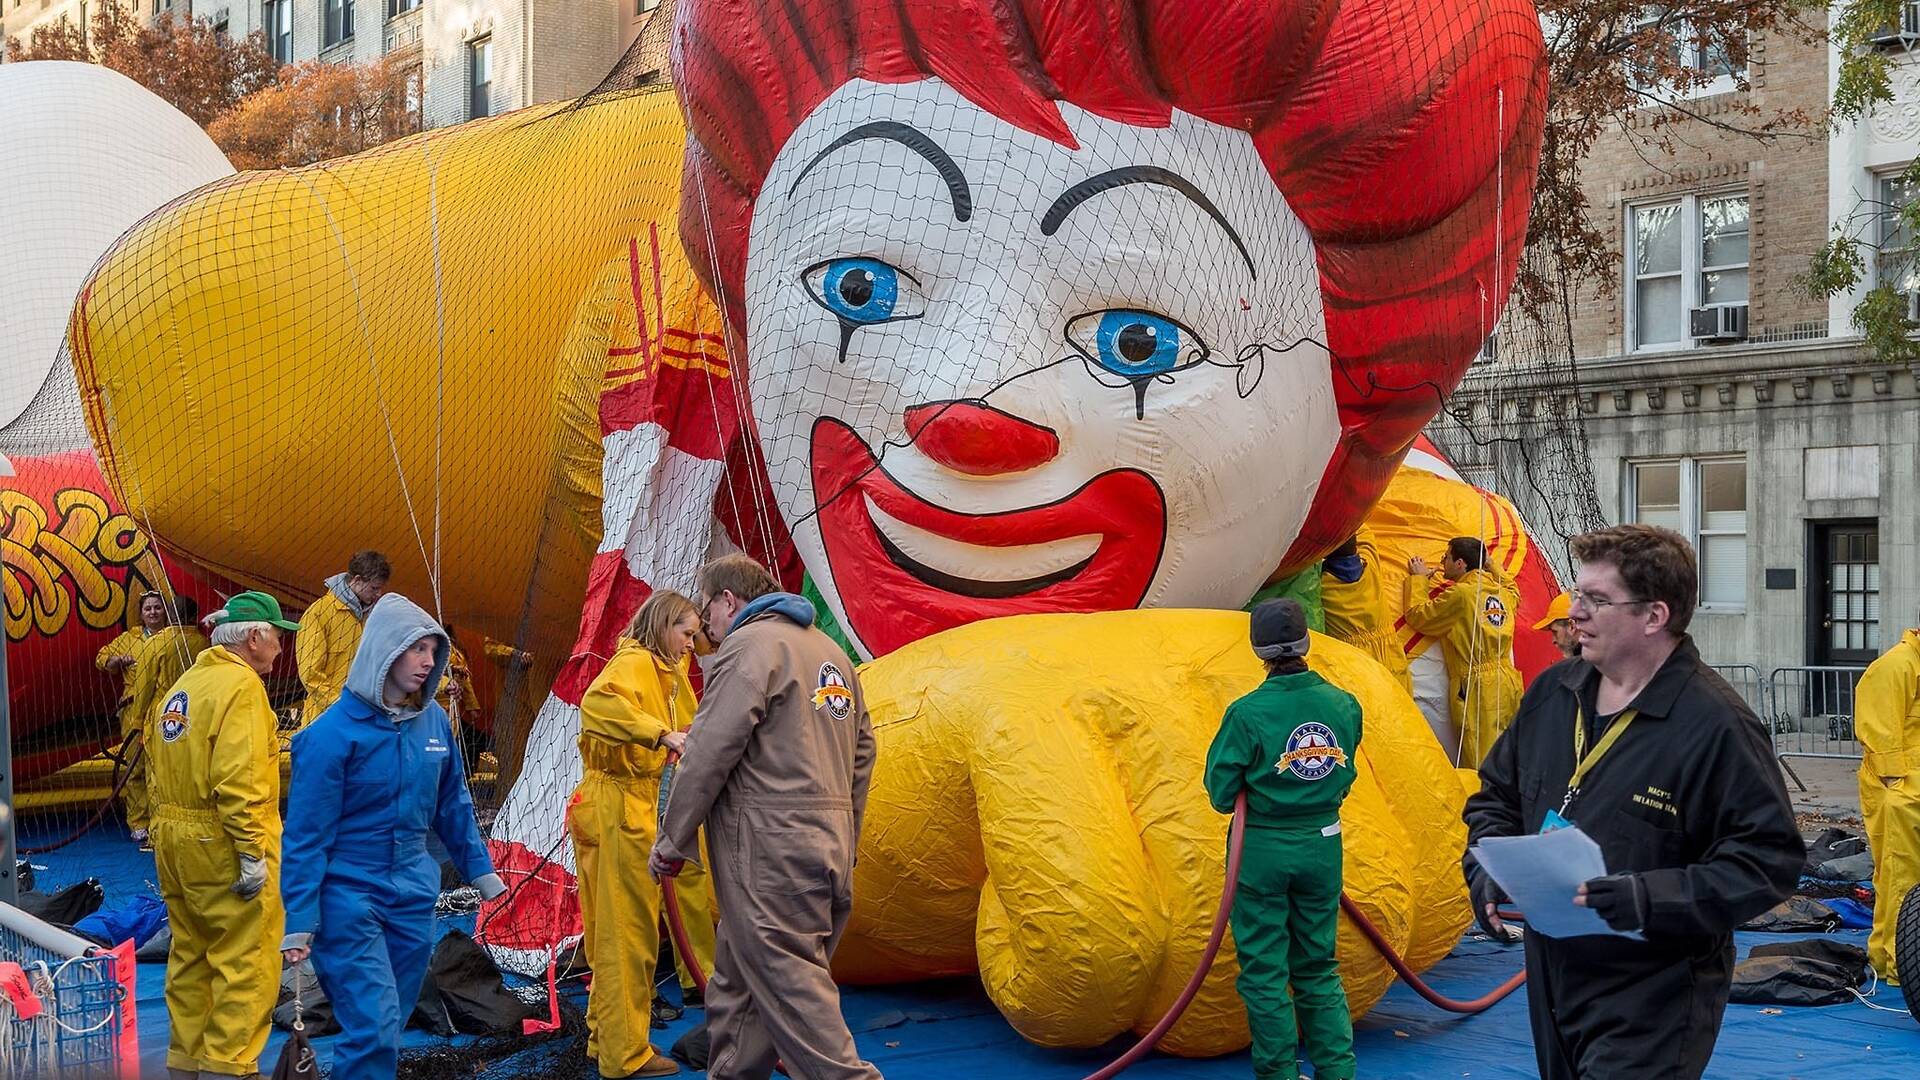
(915,140)
(1138,174)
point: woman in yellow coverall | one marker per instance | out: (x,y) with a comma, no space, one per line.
(162,659)
(638,708)
(118,657)
(1474,622)
(1886,717)
(1356,608)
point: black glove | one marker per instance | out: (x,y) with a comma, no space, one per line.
(1621,899)
(1484,890)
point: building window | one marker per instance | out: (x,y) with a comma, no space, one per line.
(1898,265)
(480,77)
(1683,254)
(397,8)
(1704,500)
(339,21)
(1708,57)
(220,28)
(641,7)
(276,21)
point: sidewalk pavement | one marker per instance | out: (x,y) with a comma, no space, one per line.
(1832,792)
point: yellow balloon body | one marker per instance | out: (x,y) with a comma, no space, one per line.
(1037,814)
(401,350)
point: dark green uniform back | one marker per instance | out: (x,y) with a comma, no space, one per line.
(1291,744)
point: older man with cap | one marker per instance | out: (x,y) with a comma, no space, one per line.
(1559,623)
(215,782)
(1290,745)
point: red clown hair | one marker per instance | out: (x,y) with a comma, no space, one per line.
(1404,134)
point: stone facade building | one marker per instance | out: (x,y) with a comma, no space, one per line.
(1709,392)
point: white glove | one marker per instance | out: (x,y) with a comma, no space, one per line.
(490,886)
(253,878)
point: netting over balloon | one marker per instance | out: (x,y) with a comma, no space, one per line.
(949,311)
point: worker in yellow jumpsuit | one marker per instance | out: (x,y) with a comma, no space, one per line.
(1355,604)
(1886,719)
(1558,622)
(638,708)
(117,658)
(330,630)
(162,659)
(456,689)
(1474,621)
(216,844)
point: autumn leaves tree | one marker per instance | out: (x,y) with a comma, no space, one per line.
(315,111)
(197,70)
(263,115)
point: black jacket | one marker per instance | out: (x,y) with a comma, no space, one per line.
(1689,798)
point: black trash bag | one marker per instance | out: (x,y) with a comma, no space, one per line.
(470,990)
(297,1059)
(1791,980)
(1796,915)
(298,982)
(1830,845)
(692,1050)
(1846,956)
(66,907)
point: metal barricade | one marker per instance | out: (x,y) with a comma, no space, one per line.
(76,1035)
(1810,713)
(1747,680)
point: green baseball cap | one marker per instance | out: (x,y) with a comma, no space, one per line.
(254,607)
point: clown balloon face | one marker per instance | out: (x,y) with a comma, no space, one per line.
(995,373)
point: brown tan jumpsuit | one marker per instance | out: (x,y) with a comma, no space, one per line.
(776,768)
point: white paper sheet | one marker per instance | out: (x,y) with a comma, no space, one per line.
(1541,873)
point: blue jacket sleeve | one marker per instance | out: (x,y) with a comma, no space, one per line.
(453,817)
(313,819)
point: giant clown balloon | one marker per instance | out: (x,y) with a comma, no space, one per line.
(1031,330)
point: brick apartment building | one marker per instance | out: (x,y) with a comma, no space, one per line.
(1713,395)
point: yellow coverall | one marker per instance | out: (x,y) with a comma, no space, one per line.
(613,818)
(1474,623)
(1886,719)
(162,659)
(329,636)
(133,796)
(1357,613)
(460,674)
(216,797)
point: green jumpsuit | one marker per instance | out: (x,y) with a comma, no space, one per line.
(1290,744)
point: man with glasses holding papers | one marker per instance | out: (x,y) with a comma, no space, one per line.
(1649,752)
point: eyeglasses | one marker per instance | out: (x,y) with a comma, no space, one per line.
(1595,603)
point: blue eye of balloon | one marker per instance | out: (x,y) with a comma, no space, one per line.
(860,291)
(1134,344)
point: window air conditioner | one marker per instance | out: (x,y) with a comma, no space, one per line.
(1906,34)
(1720,322)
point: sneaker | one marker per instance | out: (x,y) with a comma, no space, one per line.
(664,1012)
(659,1064)
(142,838)
(692,998)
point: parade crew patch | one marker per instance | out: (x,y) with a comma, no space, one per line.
(1312,753)
(1495,611)
(173,718)
(833,692)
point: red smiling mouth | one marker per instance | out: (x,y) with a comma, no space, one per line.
(892,599)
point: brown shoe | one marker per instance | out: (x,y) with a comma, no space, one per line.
(659,1065)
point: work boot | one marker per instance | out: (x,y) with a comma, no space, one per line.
(692,998)
(659,1064)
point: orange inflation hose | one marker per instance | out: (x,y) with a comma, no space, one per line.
(1236,835)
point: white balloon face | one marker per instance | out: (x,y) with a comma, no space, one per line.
(995,375)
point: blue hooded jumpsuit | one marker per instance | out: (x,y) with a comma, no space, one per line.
(369,781)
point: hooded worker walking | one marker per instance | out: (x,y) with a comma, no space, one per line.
(1292,746)
(216,844)
(776,768)
(371,777)
(1473,618)
(330,629)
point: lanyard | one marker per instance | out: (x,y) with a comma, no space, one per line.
(1585,761)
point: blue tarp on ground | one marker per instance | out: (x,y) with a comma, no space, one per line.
(946,1029)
